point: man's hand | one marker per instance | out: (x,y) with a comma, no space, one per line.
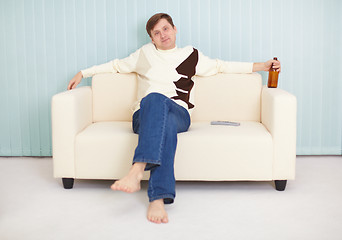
(265,66)
(75,81)
(276,65)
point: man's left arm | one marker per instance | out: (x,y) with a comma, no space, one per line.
(266,66)
(209,67)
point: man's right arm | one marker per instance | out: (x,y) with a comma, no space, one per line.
(75,80)
(126,65)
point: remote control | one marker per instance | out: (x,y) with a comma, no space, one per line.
(228,123)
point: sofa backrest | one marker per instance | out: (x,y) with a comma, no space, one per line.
(232,97)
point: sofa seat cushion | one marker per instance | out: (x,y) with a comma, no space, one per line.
(213,152)
(104,150)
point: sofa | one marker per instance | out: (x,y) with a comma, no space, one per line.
(92,136)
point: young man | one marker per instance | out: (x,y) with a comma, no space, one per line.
(164,105)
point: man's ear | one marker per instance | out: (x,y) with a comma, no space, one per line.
(152,40)
(175,29)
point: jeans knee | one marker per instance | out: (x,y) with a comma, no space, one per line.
(172,121)
(153,98)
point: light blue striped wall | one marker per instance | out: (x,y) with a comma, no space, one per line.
(43,43)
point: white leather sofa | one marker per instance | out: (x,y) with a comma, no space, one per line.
(93,137)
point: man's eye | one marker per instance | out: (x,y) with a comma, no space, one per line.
(165,28)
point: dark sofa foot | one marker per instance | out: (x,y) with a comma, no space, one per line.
(68,183)
(280,184)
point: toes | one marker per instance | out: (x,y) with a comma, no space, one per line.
(153,219)
(158,220)
(113,187)
(124,189)
(116,186)
(119,187)
(165,220)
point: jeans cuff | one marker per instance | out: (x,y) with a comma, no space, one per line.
(168,198)
(150,163)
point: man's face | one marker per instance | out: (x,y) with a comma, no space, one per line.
(163,35)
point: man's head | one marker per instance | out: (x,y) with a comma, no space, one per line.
(162,31)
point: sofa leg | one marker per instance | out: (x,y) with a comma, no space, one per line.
(68,183)
(280,184)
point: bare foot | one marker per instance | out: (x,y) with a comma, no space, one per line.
(131,182)
(156,212)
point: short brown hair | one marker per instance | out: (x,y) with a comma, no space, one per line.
(155,19)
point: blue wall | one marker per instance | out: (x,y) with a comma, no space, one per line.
(43,43)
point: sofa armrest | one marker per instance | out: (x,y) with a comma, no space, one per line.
(278,114)
(71,112)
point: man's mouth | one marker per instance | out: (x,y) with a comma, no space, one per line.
(165,40)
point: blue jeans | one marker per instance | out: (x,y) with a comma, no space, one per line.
(157,122)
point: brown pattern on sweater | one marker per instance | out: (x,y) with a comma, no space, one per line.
(188,69)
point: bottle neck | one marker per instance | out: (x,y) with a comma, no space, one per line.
(272,69)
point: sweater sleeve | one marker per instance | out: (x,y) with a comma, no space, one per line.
(125,65)
(208,67)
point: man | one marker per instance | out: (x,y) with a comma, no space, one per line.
(164,105)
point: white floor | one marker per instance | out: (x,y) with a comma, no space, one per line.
(34,205)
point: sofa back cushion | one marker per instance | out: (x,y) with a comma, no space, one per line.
(114,96)
(233,97)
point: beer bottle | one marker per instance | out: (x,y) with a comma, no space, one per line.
(272,77)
